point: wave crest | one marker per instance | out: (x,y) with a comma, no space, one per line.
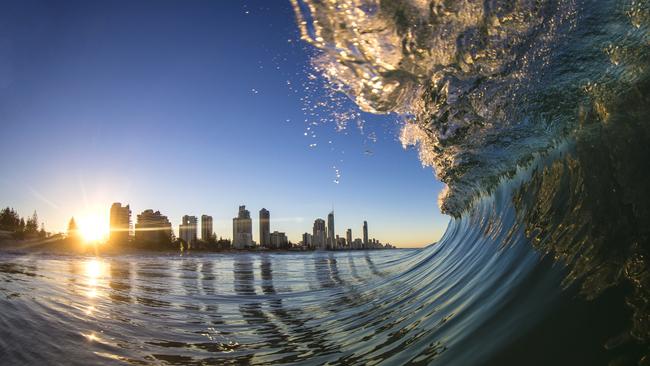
(484,85)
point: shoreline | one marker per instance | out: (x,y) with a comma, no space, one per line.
(65,247)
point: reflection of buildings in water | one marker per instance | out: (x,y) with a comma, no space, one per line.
(188,276)
(199,283)
(353,267)
(349,295)
(206,286)
(293,318)
(243,275)
(244,284)
(372,266)
(207,278)
(309,272)
(334,269)
(120,282)
(152,283)
(262,326)
(327,271)
(266,271)
(322,271)
(253,309)
(73,270)
(329,275)
(189,280)
(289,317)
(274,300)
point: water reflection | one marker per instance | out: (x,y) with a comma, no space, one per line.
(120,282)
(151,282)
(94,271)
(207,277)
(323,272)
(253,309)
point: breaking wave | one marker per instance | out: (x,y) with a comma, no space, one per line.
(484,85)
(490,89)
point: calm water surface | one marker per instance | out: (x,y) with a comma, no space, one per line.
(243,308)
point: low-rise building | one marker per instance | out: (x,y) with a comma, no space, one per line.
(278,240)
(153,228)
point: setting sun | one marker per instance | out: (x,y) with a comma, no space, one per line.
(93,228)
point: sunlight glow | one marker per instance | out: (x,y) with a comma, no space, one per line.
(93,227)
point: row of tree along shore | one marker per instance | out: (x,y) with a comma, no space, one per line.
(20,227)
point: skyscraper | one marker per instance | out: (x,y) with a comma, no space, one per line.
(307,240)
(187,231)
(348,238)
(152,227)
(120,223)
(206,228)
(331,239)
(365,234)
(318,236)
(265,227)
(242,229)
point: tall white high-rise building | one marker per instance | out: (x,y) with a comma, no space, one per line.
(365,234)
(331,236)
(318,235)
(187,231)
(307,240)
(206,228)
(348,238)
(120,223)
(265,228)
(242,229)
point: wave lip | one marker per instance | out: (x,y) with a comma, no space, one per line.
(484,85)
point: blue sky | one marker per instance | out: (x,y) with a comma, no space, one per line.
(191,107)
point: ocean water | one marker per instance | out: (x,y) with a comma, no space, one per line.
(452,303)
(357,307)
(535,114)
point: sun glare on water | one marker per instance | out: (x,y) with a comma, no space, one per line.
(93,228)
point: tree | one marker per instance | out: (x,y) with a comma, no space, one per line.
(19,232)
(73,230)
(31,226)
(9,219)
(42,234)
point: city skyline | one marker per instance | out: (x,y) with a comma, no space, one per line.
(121,230)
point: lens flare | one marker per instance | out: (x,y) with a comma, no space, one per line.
(93,228)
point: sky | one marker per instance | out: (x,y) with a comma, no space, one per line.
(193,107)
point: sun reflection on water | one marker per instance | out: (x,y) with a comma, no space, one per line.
(90,336)
(95,269)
